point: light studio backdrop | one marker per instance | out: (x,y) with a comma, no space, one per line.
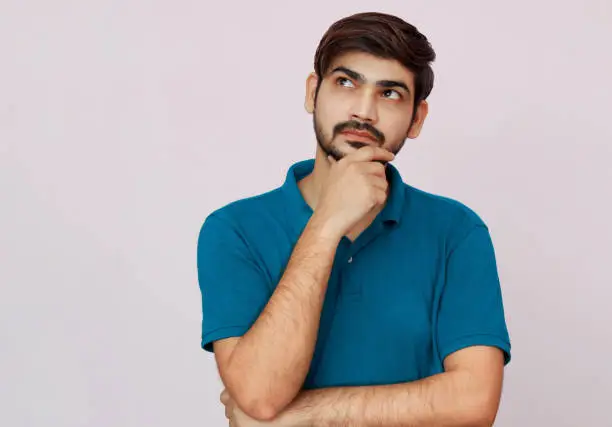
(124,123)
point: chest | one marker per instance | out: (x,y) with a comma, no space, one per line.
(377,325)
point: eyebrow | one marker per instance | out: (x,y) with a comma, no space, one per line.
(361,79)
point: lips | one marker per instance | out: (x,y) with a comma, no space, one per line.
(359,136)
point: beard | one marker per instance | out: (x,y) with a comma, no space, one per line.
(330,149)
(324,143)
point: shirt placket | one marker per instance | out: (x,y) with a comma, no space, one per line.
(351,281)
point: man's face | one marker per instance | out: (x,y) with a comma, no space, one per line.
(363,100)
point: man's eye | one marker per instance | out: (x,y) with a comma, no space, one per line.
(343,81)
(392,94)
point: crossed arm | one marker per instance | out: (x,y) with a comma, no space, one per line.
(466,394)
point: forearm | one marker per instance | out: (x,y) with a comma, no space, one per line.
(270,362)
(448,399)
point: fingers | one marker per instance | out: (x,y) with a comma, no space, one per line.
(379,184)
(373,168)
(369,154)
(365,154)
(225,397)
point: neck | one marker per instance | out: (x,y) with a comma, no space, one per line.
(312,184)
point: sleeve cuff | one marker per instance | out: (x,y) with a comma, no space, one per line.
(474,340)
(221,333)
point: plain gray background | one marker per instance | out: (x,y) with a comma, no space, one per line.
(124,123)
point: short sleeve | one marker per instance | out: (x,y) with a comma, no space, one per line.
(471,310)
(233,287)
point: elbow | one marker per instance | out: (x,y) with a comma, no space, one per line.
(257,396)
(482,412)
(473,418)
(259,405)
(481,420)
(484,422)
(259,409)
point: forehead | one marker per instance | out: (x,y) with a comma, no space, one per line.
(374,68)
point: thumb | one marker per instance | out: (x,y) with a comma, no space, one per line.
(331,159)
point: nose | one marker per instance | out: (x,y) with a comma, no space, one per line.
(364,108)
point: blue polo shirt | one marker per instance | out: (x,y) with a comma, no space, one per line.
(418,284)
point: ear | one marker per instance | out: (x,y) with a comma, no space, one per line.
(419,119)
(311,87)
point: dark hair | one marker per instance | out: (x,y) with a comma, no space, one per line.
(385,36)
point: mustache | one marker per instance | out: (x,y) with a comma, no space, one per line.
(359,126)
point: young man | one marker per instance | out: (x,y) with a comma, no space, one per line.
(345,296)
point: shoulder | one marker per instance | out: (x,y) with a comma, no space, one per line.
(249,214)
(451,219)
(442,207)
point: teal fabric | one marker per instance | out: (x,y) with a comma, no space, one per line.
(419,284)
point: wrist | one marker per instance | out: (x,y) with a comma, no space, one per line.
(323,229)
(294,417)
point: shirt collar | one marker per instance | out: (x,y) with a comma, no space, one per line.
(298,212)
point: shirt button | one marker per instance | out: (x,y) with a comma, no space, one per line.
(350,260)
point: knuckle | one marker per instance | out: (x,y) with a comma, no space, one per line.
(374,197)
